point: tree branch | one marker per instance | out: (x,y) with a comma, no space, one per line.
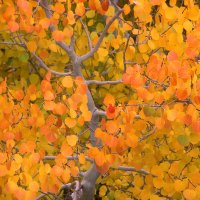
(68,158)
(89,82)
(147,135)
(68,185)
(43,65)
(91,53)
(132,169)
(12,43)
(124,53)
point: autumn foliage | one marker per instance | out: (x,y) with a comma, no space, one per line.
(99,99)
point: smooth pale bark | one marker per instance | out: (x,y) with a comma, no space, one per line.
(84,190)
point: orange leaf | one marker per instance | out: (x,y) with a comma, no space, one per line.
(19,95)
(103,168)
(172,56)
(13,26)
(132,140)
(48,95)
(58,35)
(190,194)
(182,94)
(80,9)
(60,109)
(23,4)
(196,126)
(57,171)
(27,147)
(49,105)
(109,100)
(92,5)
(111,126)
(70,122)
(45,22)
(59,8)
(66,150)
(31,46)
(67,82)
(3,170)
(81,158)
(34,186)
(66,176)
(74,171)
(45,85)
(87,115)
(159,122)
(126,9)
(48,76)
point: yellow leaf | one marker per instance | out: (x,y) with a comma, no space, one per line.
(187,25)
(171,115)
(90,14)
(72,140)
(158,182)
(170,13)
(102,191)
(154,34)
(143,48)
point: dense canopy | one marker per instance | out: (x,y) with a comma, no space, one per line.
(99,99)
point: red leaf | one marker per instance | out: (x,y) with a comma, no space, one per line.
(105,5)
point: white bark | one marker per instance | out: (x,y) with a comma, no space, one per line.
(87,185)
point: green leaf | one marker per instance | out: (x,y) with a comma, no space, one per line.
(183,140)
(34,79)
(111,195)
(24,57)
(9,61)
(63,116)
(90,14)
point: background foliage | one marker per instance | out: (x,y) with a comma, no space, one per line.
(99,92)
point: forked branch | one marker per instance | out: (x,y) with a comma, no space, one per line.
(91,53)
(43,65)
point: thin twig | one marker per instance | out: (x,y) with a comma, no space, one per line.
(124,53)
(147,135)
(87,34)
(132,169)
